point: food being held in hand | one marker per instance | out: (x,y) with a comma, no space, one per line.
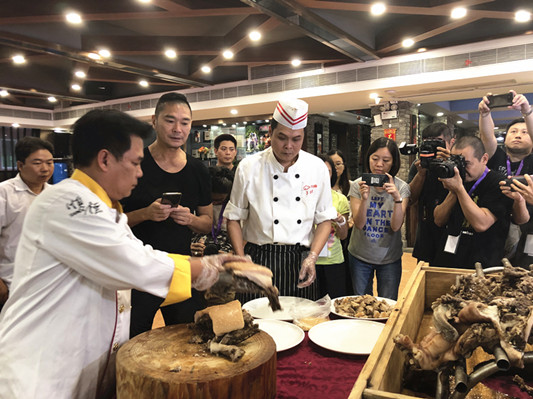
(491,312)
(247,277)
(222,328)
(364,306)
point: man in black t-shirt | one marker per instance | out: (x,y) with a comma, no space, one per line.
(167,168)
(475,213)
(428,192)
(515,158)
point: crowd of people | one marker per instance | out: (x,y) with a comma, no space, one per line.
(70,260)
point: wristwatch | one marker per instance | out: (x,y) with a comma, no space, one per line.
(399,201)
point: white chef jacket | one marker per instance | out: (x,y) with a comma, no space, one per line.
(278,207)
(15,199)
(62,324)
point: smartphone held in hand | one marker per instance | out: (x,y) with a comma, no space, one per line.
(172,199)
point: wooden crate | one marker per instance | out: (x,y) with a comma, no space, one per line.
(381,376)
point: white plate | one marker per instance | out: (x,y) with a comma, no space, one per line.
(354,337)
(391,302)
(285,335)
(260,309)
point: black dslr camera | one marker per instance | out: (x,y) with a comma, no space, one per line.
(427,150)
(444,168)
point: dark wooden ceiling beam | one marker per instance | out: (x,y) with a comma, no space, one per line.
(431,33)
(38,46)
(185,13)
(241,44)
(443,10)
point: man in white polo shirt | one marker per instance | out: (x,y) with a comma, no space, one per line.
(280,195)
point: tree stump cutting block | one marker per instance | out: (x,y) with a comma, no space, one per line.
(162,363)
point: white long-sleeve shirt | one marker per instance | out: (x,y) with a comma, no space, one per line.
(15,199)
(278,207)
(62,324)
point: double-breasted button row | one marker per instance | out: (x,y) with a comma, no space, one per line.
(276,221)
(276,177)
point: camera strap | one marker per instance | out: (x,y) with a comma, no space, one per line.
(485,173)
(214,233)
(517,171)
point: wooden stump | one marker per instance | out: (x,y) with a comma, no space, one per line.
(161,363)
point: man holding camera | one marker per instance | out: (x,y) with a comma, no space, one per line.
(475,213)
(516,158)
(427,190)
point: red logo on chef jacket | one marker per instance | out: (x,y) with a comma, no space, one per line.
(309,188)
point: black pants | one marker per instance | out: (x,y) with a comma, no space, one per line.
(144,306)
(285,262)
(332,280)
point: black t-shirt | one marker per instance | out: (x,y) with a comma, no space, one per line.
(498,163)
(193,181)
(428,234)
(486,247)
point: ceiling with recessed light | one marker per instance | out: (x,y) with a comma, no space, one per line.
(125,48)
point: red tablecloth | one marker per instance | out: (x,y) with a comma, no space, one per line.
(309,371)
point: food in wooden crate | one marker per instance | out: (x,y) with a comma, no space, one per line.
(222,328)
(488,311)
(364,306)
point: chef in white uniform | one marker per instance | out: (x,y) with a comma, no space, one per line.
(65,318)
(282,198)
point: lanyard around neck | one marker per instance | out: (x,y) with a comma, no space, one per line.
(517,171)
(214,233)
(485,173)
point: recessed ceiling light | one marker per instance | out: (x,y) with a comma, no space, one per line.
(254,35)
(459,122)
(94,56)
(408,42)
(378,9)
(104,53)
(170,53)
(73,18)
(522,16)
(143,83)
(233,126)
(206,69)
(15,124)
(144,1)
(204,125)
(223,124)
(245,123)
(296,62)
(458,12)
(18,59)
(52,99)
(422,49)
(227,54)
(233,112)
(80,74)
(267,120)
(418,105)
(373,95)
(440,113)
(75,86)
(4,93)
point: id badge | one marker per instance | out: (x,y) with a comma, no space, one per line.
(528,248)
(451,244)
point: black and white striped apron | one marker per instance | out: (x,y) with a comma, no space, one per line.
(285,262)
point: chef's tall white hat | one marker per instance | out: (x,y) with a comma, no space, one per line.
(292,113)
